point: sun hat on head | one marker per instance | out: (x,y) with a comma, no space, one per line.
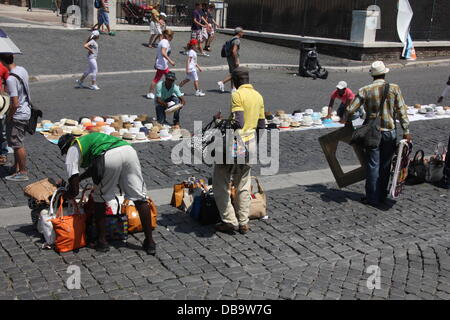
(193,42)
(163,14)
(171,75)
(378,68)
(238,30)
(341,85)
(95,33)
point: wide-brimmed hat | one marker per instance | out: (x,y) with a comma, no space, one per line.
(341,85)
(378,68)
(4,104)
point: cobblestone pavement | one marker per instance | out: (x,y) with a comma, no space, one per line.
(299,151)
(317,244)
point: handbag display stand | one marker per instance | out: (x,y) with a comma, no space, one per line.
(329,144)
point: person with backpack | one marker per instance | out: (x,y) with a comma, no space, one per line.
(92,46)
(17,117)
(230,50)
(103,15)
(191,68)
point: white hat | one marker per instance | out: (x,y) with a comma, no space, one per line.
(378,68)
(4,104)
(163,14)
(341,85)
(95,33)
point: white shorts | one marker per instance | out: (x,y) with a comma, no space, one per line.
(204,34)
(123,169)
(155,28)
(193,76)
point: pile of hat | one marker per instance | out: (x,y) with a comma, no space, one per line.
(308,118)
(429,111)
(132,128)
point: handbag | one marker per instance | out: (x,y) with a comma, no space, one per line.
(258,203)
(209,213)
(417,170)
(182,196)
(45,226)
(436,164)
(41,191)
(70,230)
(369,134)
(134,221)
(35,113)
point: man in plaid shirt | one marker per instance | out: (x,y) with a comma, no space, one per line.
(379,159)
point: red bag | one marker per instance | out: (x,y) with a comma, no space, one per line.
(70,230)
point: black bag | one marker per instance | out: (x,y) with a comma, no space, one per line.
(35,113)
(226,48)
(209,213)
(417,170)
(97,169)
(369,134)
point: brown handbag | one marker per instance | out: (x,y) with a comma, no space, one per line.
(177,195)
(182,197)
(41,191)
(134,221)
(258,204)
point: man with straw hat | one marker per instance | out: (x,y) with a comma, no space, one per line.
(388,97)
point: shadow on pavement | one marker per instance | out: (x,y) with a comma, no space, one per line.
(183,223)
(333,195)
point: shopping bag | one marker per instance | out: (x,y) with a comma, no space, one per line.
(45,226)
(41,191)
(258,202)
(70,230)
(134,221)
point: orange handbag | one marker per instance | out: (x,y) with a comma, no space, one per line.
(134,221)
(70,230)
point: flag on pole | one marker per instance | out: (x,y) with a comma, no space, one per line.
(404,17)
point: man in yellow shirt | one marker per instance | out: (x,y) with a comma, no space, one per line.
(247,108)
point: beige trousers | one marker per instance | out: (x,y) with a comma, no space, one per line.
(242,182)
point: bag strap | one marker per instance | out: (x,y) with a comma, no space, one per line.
(24,88)
(383,99)
(260,188)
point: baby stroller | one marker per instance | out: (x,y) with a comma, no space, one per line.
(136,13)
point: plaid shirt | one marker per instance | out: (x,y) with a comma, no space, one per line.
(370,96)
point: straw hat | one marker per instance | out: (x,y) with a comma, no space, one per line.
(141,117)
(378,68)
(141,136)
(56,131)
(115,134)
(70,122)
(128,136)
(4,104)
(77,132)
(153,135)
(279,113)
(295,124)
(127,125)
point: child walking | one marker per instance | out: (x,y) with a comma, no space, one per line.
(92,46)
(191,68)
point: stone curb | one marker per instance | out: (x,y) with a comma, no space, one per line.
(253,66)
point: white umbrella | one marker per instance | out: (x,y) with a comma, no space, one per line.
(6,44)
(404,18)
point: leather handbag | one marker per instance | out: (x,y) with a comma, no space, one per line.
(209,213)
(35,113)
(40,191)
(70,230)
(369,134)
(134,221)
(417,169)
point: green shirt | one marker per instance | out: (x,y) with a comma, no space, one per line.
(163,93)
(94,144)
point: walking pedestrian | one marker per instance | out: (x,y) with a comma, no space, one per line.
(162,61)
(155,27)
(18,116)
(196,28)
(233,47)
(4,74)
(379,159)
(121,168)
(168,94)
(103,16)
(212,25)
(445,92)
(247,108)
(92,46)
(191,68)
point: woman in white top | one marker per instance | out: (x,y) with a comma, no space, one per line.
(91,45)
(162,61)
(191,68)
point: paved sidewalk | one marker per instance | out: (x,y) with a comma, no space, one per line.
(317,244)
(37,16)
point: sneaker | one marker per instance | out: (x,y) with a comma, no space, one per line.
(150,96)
(221,86)
(150,248)
(17,177)
(79,84)
(112,33)
(94,87)
(205,54)
(199,93)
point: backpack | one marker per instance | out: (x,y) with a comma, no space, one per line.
(226,48)
(97,4)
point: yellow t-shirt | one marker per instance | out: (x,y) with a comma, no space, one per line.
(248,100)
